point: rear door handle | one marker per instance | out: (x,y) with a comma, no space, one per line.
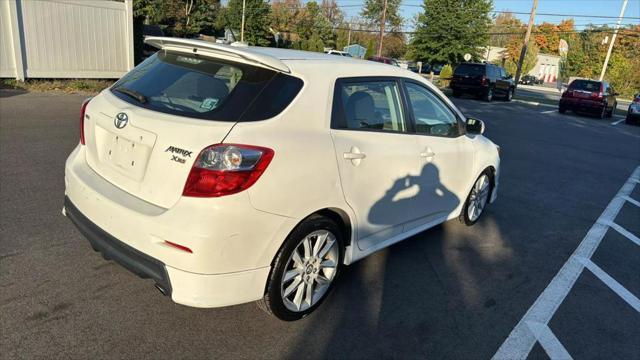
(428,153)
(354,155)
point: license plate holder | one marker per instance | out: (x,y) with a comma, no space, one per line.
(127,156)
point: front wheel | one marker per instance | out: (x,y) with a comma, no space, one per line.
(477,199)
(305,269)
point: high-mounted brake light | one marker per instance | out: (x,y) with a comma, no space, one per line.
(226,169)
(83,109)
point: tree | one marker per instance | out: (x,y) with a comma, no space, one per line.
(511,55)
(547,38)
(503,28)
(372,13)
(313,23)
(448,29)
(257,19)
(286,14)
(394,45)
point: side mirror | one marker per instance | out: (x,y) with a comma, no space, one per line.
(475,126)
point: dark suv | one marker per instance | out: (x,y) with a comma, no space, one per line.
(482,80)
(590,96)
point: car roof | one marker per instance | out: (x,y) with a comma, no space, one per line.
(274,58)
(284,60)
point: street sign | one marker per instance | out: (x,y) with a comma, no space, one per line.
(467,57)
(563,47)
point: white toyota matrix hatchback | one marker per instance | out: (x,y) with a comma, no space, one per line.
(233,174)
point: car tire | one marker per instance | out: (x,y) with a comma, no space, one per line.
(304,272)
(478,198)
(488,96)
(603,113)
(509,95)
(562,109)
(613,110)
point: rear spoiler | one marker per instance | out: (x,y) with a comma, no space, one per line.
(238,52)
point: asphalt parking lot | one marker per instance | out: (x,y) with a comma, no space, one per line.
(450,292)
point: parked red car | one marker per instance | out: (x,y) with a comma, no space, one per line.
(589,96)
(384,60)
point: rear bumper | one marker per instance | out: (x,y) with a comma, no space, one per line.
(113,249)
(581,105)
(468,88)
(232,243)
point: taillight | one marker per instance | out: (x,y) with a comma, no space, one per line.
(484,80)
(83,109)
(599,95)
(225,169)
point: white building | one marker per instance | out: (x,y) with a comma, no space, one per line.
(547,66)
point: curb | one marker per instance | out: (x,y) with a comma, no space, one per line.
(534,103)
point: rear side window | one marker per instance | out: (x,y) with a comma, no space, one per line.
(469,69)
(369,105)
(585,85)
(213,89)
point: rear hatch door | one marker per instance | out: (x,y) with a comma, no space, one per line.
(151,155)
(144,133)
(469,74)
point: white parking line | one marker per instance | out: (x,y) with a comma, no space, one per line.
(611,283)
(624,232)
(548,340)
(631,200)
(617,122)
(521,339)
(548,111)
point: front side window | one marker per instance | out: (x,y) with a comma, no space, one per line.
(432,116)
(370,105)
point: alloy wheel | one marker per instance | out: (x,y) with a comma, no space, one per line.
(478,197)
(310,270)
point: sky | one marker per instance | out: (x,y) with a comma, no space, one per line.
(571,7)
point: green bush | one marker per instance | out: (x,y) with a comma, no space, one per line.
(445,75)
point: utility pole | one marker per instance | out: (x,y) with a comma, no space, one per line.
(244,5)
(382,22)
(613,39)
(349,36)
(526,42)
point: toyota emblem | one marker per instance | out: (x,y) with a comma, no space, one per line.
(121,120)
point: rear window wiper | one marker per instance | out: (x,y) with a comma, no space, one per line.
(132,93)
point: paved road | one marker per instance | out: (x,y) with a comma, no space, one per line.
(451,292)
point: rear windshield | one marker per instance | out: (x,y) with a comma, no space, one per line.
(204,88)
(469,69)
(585,85)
